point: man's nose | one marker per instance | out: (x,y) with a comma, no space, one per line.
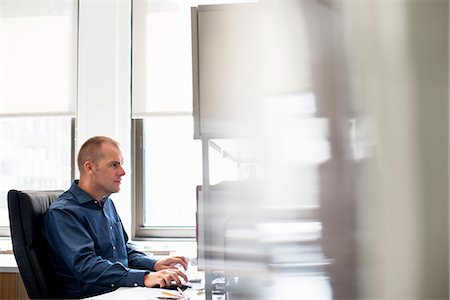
(122,171)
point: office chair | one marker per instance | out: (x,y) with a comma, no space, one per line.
(26,211)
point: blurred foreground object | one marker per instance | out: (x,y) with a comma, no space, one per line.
(325,149)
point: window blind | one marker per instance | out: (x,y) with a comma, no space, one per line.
(38,53)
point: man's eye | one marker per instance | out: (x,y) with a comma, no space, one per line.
(115,165)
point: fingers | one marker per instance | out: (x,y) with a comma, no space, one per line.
(164,278)
(176,279)
(182,275)
(184,262)
(171,263)
(180,260)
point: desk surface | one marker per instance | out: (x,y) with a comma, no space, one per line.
(147,293)
(8,264)
(194,293)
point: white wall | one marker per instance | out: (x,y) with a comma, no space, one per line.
(104,83)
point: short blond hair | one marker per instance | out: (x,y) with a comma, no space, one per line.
(91,150)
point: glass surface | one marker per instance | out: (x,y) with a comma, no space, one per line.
(35,153)
(162,95)
(172,170)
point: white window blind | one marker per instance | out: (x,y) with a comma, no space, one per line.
(162,56)
(38,57)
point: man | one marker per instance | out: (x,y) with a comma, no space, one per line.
(88,243)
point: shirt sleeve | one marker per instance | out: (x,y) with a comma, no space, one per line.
(67,237)
(139,260)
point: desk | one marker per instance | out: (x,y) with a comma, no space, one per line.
(194,293)
(11,284)
(145,293)
(8,264)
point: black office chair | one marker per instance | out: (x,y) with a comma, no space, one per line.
(26,211)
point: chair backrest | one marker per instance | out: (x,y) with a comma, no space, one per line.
(26,211)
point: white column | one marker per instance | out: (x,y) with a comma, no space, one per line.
(104,83)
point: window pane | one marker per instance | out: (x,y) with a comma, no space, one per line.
(35,154)
(172,170)
(162,98)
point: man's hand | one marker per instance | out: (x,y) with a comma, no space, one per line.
(171,263)
(164,278)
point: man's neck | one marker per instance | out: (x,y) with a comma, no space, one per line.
(85,186)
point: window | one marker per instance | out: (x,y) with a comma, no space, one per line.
(168,164)
(171,161)
(36,153)
(38,53)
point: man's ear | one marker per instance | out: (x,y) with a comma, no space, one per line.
(89,167)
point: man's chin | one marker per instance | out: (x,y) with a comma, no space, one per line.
(114,190)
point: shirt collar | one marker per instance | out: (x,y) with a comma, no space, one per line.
(80,194)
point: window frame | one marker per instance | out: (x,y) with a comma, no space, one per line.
(139,230)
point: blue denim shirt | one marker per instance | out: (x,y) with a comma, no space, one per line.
(89,245)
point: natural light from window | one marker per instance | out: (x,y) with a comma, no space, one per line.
(35,154)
